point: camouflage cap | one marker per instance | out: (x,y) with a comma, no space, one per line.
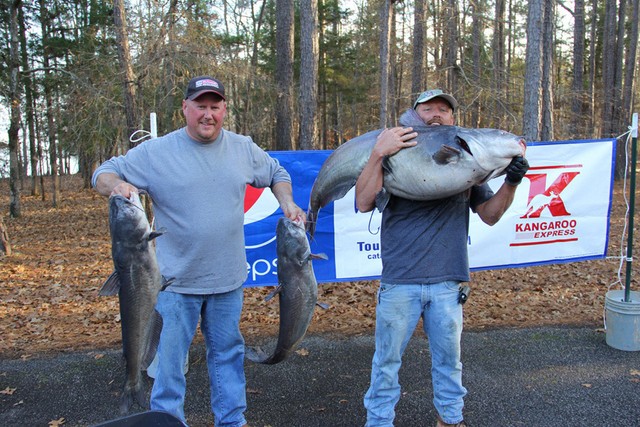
(430,94)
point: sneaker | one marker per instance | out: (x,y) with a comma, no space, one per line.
(441,423)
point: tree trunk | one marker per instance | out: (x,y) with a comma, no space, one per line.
(29,110)
(308,74)
(476,75)
(451,45)
(630,61)
(385,31)
(577,123)
(14,121)
(284,74)
(253,64)
(533,72)
(546,128)
(592,66)
(498,63)
(5,244)
(617,120)
(168,105)
(437,35)
(322,89)
(418,83)
(608,68)
(45,22)
(511,47)
(392,105)
(126,68)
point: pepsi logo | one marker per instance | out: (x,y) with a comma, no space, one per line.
(261,216)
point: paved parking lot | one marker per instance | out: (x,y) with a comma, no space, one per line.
(515,377)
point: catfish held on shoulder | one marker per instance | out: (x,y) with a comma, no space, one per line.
(446,160)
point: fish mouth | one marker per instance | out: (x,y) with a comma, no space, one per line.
(523,146)
(124,204)
(298,222)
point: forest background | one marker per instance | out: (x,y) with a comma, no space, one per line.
(78,78)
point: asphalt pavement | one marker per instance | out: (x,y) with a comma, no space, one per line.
(515,377)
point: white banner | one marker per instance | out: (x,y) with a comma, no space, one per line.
(560,214)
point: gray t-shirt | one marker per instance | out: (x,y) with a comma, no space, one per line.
(426,241)
(198,197)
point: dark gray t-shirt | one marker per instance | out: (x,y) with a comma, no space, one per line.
(426,241)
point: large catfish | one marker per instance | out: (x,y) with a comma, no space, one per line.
(447,160)
(137,281)
(298,290)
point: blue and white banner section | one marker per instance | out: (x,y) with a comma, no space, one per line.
(560,214)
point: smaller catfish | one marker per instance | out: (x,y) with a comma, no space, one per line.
(137,281)
(297,288)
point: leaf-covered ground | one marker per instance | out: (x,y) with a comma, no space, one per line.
(49,286)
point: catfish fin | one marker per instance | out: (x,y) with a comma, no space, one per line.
(156,233)
(323,305)
(446,154)
(166,283)
(154,339)
(382,198)
(274,293)
(255,354)
(111,286)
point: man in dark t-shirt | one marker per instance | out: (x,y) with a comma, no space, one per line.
(424,260)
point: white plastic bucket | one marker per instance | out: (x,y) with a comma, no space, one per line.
(622,320)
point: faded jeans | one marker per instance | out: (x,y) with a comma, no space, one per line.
(219,316)
(398,310)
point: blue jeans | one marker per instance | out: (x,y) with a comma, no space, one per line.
(397,313)
(219,316)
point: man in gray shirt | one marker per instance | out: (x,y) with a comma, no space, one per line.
(196,177)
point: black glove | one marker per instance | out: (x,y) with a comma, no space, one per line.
(516,170)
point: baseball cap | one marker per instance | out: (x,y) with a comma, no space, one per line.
(203,84)
(436,93)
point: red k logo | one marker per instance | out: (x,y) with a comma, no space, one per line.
(542,197)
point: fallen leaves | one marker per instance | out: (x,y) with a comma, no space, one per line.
(62,256)
(8,391)
(302,352)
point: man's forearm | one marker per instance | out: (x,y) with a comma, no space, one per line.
(106,182)
(369,183)
(492,210)
(284,194)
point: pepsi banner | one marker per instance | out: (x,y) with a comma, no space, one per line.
(560,214)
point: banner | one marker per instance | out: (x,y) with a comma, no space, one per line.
(560,214)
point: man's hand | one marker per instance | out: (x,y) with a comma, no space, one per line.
(392,140)
(516,170)
(110,184)
(294,212)
(284,194)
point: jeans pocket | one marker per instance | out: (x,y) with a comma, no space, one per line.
(452,285)
(384,287)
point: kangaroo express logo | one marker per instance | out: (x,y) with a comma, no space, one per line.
(547,219)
